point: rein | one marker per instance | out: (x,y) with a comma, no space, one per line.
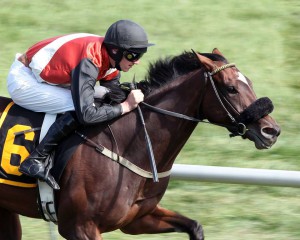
(240,127)
(240,130)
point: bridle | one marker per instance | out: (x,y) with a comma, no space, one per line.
(238,128)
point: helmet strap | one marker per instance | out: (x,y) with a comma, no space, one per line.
(118,60)
(116,54)
(118,57)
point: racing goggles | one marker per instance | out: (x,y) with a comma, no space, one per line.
(132,56)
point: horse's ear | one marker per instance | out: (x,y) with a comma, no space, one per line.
(206,62)
(217,51)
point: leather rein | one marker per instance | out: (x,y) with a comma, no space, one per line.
(239,128)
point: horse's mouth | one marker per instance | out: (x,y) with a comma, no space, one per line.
(259,141)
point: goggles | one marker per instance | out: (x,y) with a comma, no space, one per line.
(131,56)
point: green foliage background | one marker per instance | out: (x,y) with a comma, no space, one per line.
(260,36)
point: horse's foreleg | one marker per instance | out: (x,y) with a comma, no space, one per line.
(10,226)
(164,221)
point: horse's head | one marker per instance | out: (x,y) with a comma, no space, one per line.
(235,105)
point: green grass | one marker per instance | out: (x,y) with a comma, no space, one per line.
(261,37)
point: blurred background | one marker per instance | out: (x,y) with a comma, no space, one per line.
(261,37)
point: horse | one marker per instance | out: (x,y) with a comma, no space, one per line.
(99,195)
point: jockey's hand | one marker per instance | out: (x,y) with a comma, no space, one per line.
(134,98)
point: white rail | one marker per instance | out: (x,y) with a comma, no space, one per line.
(254,176)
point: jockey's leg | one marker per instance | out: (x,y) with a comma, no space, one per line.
(34,165)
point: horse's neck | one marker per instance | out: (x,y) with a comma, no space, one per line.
(181,96)
(185,89)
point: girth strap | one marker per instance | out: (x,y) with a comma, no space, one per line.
(121,160)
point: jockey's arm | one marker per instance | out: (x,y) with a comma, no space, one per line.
(84,78)
(82,87)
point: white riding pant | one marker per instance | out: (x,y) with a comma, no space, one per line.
(27,92)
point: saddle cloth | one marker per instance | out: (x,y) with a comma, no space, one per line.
(19,135)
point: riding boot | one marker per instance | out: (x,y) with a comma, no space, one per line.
(34,164)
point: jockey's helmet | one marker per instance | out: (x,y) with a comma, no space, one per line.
(126,35)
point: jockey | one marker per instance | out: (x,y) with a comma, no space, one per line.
(59,75)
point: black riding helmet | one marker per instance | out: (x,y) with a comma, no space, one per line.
(125,35)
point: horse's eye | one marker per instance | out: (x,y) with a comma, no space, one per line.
(231,90)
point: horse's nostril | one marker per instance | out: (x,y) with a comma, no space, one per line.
(278,132)
(275,132)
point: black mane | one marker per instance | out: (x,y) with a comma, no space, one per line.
(165,70)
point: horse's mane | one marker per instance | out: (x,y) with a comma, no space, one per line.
(165,70)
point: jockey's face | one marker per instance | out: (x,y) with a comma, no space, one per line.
(126,65)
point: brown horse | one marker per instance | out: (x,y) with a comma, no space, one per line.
(99,195)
